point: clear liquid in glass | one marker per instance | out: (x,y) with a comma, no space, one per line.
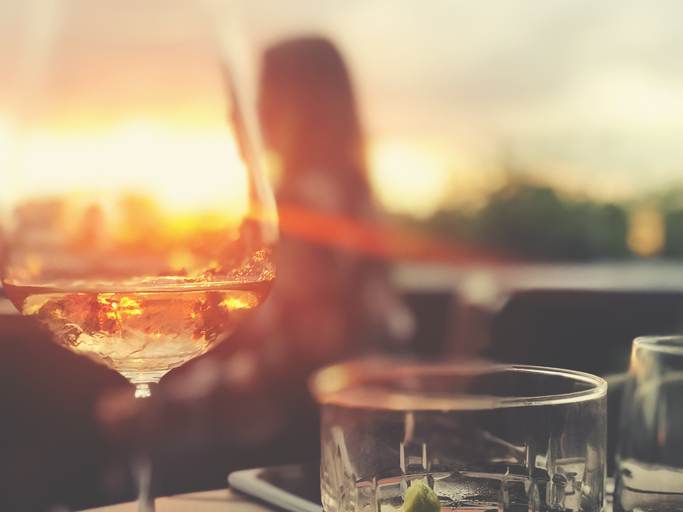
(507,459)
(141,331)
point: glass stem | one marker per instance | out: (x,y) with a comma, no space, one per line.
(142,390)
(142,464)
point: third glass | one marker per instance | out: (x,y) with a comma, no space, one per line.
(418,437)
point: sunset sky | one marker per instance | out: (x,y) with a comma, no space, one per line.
(586,95)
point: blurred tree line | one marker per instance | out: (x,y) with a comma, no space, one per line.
(534,221)
(670,203)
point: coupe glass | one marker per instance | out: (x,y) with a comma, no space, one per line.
(650,449)
(138,226)
(476,436)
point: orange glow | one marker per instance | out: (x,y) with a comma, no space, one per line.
(120,309)
(376,240)
(186,170)
(409,178)
(181,259)
(5,141)
(241,301)
(646,232)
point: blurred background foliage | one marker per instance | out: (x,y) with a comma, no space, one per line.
(525,218)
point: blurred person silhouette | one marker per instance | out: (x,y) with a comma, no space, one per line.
(332,297)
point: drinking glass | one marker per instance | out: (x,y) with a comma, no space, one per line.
(138,226)
(480,436)
(650,447)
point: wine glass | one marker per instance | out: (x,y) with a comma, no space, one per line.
(138,225)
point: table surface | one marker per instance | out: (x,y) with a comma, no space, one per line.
(209,501)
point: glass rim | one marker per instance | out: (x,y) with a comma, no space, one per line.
(656,343)
(327,385)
